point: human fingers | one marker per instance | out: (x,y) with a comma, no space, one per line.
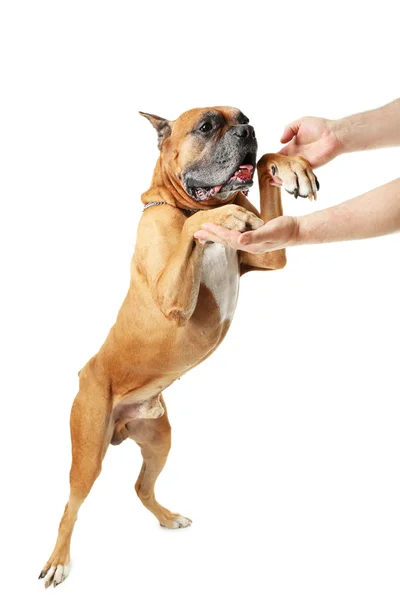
(290,131)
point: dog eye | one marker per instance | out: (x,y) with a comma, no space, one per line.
(206,127)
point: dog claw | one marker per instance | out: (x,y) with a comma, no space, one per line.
(296,193)
(317,184)
(42,574)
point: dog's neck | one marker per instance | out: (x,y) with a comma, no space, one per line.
(169,189)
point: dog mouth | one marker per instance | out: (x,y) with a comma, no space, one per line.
(242,179)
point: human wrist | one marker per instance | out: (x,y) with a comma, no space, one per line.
(343,132)
(295,236)
(312,228)
(367,130)
(331,224)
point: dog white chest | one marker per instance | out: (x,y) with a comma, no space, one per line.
(221,276)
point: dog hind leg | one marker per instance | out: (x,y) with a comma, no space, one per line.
(90,435)
(154,438)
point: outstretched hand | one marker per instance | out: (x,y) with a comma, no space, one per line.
(274,235)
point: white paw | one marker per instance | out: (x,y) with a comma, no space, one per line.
(296,176)
(178,523)
(54,575)
(182,522)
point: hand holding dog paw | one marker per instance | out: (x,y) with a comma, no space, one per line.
(313,138)
(274,235)
(226,225)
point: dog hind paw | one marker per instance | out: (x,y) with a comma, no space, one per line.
(176,522)
(54,574)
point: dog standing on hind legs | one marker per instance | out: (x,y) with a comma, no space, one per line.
(181,298)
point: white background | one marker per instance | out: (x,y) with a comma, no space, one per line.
(286,451)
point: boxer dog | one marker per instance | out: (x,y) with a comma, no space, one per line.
(181,298)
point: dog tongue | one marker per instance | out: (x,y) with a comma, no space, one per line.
(244,171)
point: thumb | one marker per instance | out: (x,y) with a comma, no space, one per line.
(271,232)
(290,131)
(289,150)
(262,234)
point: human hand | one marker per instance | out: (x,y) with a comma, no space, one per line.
(274,235)
(313,138)
(230,218)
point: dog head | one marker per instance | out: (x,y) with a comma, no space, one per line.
(207,154)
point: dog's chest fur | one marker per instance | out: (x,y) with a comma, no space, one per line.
(220,275)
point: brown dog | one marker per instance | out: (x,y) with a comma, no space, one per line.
(181,298)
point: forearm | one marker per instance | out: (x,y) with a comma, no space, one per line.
(372,214)
(377,128)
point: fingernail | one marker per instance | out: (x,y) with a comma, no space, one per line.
(205,225)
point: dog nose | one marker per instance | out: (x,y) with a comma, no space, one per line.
(244,131)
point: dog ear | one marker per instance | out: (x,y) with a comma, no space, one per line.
(163,126)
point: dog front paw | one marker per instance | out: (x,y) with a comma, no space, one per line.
(234,217)
(294,173)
